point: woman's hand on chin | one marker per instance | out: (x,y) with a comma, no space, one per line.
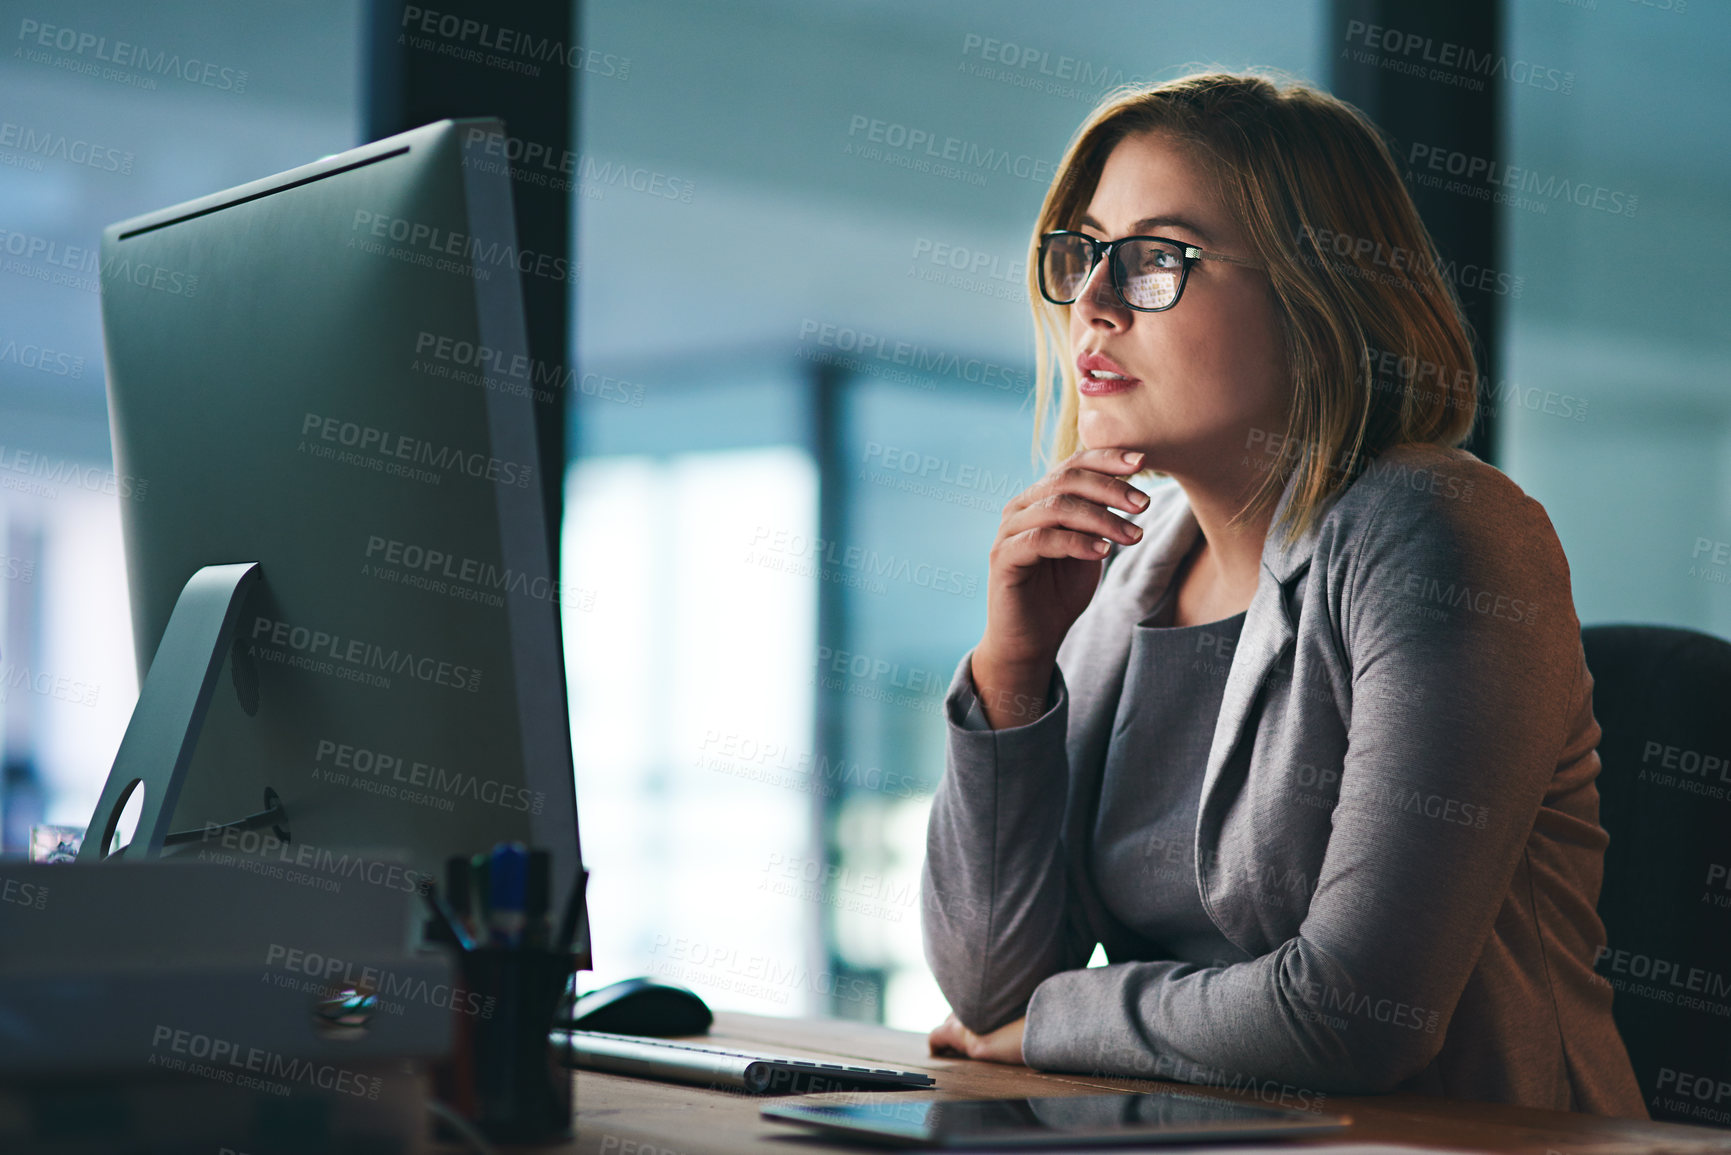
(1003,1045)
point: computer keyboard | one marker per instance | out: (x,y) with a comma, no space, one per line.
(755,1073)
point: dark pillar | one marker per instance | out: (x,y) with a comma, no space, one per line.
(831,745)
(1439,87)
(516,60)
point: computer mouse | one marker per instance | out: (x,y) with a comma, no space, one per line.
(639,1006)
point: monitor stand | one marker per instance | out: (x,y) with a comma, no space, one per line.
(163,732)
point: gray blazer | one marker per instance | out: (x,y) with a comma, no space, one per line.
(1398,821)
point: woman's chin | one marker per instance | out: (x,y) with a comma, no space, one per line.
(1098,431)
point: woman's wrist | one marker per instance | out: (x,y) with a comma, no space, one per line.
(1011,693)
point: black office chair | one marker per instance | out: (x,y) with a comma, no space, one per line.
(1663,699)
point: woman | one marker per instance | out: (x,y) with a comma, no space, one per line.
(1306,740)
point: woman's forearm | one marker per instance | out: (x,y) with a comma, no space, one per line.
(994,887)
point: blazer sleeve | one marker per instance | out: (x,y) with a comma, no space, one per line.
(995,913)
(1465,610)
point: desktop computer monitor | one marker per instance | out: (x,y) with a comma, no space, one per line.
(326,373)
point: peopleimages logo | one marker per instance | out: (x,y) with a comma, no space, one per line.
(1484,178)
(461,31)
(1419,377)
(60,687)
(746,756)
(51,145)
(1086,74)
(515,373)
(1677,976)
(1372,259)
(333,759)
(932,147)
(924,471)
(48,260)
(302,863)
(332,973)
(829,556)
(31,894)
(363,439)
(1487,603)
(863,351)
(865,667)
(840,886)
(44,360)
(1462,65)
(472,573)
(312,646)
(229,1062)
(562,170)
(436,241)
(39,474)
(36,35)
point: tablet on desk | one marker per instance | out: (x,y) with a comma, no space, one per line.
(1155,1117)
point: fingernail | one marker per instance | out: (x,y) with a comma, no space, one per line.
(1132,458)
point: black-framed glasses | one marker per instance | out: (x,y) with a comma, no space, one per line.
(1148,273)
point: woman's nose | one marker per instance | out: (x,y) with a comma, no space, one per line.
(1099,300)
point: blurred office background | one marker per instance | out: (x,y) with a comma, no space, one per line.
(802,395)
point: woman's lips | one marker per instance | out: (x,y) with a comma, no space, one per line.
(1099,387)
(1111,377)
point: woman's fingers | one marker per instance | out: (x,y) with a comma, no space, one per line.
(1073,511)
(1003,1045)
(1029,546)
(1078,500)
(1061,526)
(951,1038)
(1095,474)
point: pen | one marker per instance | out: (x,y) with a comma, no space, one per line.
(445,917)
(457,890)
(537,900)
(479,896)
(507,878)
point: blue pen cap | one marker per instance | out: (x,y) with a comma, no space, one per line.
(508,877)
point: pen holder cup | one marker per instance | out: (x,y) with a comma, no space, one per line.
(503,1075)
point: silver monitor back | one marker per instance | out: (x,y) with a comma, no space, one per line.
(324,372)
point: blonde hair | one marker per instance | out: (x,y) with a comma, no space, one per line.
(1312,186)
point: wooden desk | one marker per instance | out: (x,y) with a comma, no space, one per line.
(622,1116)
